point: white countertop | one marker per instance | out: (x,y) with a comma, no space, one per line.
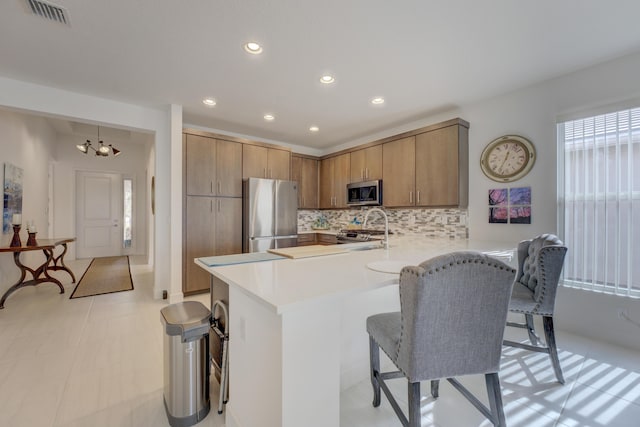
(287,284)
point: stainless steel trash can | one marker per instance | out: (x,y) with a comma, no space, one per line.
(186,362)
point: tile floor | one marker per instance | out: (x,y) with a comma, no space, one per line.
(97,361)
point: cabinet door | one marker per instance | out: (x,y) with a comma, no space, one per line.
(228,168)
(254,161)
(326,183)
(296,175)
(341,177)
(373,163)
(398,172)
(228,212)
(437,167)
(199,241)
(200,165)
(309,187)
(358,161)
(279,163)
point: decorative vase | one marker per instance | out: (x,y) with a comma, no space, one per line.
(31,241)
(15,242)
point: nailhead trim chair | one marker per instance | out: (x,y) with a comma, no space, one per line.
(540,262)
(453,309)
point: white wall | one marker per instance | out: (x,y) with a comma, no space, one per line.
(68,161)
(25,142)
(27,97)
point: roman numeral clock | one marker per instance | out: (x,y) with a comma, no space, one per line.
(508,158)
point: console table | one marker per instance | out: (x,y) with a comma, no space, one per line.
(41,273)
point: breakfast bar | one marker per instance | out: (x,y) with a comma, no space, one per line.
(297,326)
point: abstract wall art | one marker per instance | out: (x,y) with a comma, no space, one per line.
(12,195)
(510,205)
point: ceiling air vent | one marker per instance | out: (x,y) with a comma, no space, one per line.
(49,11)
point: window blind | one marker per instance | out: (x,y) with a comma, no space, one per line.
(600,203)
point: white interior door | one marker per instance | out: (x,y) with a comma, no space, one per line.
(99,214)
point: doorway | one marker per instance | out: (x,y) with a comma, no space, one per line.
(99,214)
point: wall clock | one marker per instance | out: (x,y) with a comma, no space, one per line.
(507,158)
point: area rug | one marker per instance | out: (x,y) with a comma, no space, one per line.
(104,276)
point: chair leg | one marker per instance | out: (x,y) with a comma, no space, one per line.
(495,399)
(531,329)
(374,363)
(414,404)
(435,386)
(551,344)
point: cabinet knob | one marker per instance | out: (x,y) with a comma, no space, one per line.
(418,196)
(410,196)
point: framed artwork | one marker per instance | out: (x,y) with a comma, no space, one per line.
(510,205)
(12,195)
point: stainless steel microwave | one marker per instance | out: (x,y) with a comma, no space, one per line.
(364,193)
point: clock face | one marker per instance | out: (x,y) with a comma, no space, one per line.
(507,158)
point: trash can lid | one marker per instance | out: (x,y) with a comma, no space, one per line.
(188,318)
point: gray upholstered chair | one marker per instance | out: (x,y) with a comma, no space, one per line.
(453,309)
(540,262)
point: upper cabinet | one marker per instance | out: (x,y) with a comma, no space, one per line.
(334,177)
(212,166)
(263,162)
(398,172)
(366,164)
(442,167)
(305,172)
(430,169)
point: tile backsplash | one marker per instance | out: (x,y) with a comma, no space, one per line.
(451,223)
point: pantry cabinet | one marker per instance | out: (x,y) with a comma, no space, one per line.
(212,167)
(213,227)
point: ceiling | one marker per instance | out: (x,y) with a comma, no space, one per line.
(423,57)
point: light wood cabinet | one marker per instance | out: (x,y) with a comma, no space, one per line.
(212,166)
(326,239)
(334,177)
(213,227)
(366,164)
(442,165)
(398,172)
(305,172)
(263,162)
(306,239)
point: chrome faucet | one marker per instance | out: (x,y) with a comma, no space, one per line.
(385,242)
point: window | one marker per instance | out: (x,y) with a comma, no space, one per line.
(128,213)
(599,207)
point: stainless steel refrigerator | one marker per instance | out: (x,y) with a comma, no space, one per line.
(270,214)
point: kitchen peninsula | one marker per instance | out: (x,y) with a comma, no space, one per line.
(297,326)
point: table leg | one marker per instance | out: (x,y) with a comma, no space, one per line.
(21,283)
(55,267)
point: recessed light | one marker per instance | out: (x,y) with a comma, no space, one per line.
(209,102)
(327,79)
(378,100)
(253,48)
(269,117)
(314,128)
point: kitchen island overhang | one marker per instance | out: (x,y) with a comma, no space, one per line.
(297,334)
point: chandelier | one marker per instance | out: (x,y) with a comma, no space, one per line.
(102,150)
